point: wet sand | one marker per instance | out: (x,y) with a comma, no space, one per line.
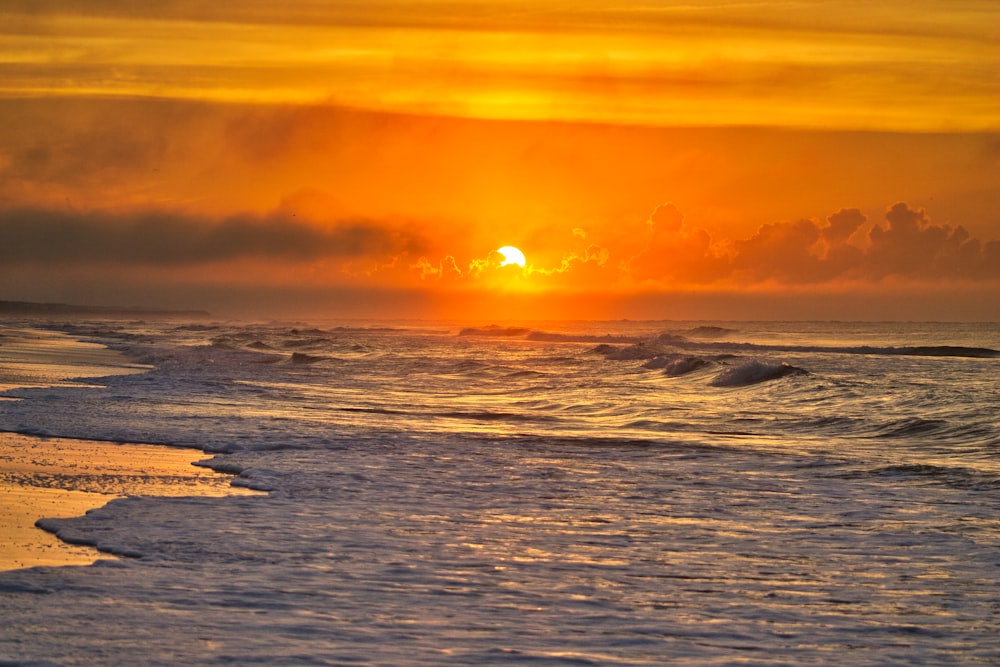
(58,477)
(39,358)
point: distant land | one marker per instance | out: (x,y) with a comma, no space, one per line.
(29,308)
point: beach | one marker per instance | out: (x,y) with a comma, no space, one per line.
(44,477)
(33,357)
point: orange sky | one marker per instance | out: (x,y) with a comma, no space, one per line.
(365,158)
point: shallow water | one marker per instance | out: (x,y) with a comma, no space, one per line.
(548,493)
(51,477)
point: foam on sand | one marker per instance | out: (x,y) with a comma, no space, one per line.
(43,478)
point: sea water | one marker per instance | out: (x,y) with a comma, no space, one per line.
(602,493)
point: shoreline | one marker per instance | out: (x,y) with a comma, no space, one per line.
(44,477)
(48,478)
(42,358)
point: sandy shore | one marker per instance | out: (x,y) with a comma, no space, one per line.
(56,477)
(38,358)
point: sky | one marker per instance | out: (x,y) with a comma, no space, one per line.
(829,159)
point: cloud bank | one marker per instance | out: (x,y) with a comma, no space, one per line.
(665,250)
(844,247)
(29,236)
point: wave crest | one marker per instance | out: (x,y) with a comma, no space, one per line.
(754,372)
(674,365)
(684,366)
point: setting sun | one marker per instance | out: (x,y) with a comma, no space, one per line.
(511,255)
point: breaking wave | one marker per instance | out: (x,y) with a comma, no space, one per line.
(754,372)
(709,332)
(626,347)
(684,366)
(903,351)
(674,365)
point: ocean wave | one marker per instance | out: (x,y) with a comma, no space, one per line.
(754,372)
(946,351)
(626,348)
(901,351)
(374,411)
(659,362)
(709,332)
(649,347)
(495,331)
(303,358)
(468,415)
(604,339)
(221,353)
(636,352)
(952,476)
(515,375)
(981,433)
(225,343)
(831,423)
(674,365)
(912,426)
(197,327)
(464,367)
(490,415)
(389,330)
(645,348)
(313,343)
(672,339)
(684,366)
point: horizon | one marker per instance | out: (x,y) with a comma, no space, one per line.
(65,312)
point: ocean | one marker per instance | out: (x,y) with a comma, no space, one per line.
(565,493)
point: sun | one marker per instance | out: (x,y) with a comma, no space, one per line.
(511,255)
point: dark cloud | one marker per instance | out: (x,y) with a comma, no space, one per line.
(907,246)
(843,224)
(172,239)
(781,251)
(911,245)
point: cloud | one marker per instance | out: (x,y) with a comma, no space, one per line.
(843,224)
(665,251)
(665,219)
(584,269)
(760,63)
(162,238)
(446,268)
(782,251)
(907,246)
(910,245)
(675,252)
